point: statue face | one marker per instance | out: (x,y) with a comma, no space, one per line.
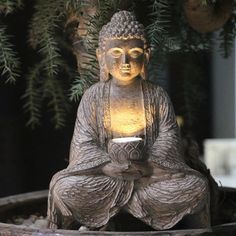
(124,58)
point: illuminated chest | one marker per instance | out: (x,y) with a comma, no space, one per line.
(127,111)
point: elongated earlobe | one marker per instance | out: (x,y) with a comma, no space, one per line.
(144,73)
(147,54)
(104,73)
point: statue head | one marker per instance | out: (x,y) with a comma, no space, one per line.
(123,50)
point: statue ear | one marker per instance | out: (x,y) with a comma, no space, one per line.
(104,74)
(147,55)
(98,54)
(144,72)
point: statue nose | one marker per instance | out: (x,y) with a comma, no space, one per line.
(125,60)
(125,66)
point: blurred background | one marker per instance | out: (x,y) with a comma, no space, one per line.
(47,60)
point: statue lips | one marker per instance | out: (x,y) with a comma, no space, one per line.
(125,69)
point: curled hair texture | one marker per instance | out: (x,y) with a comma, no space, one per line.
(123,25)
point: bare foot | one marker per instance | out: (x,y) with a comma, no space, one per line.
(84,228)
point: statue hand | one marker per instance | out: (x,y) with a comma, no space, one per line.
(143,167)
(161,173)
(119,171)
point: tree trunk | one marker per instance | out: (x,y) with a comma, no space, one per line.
(80,34)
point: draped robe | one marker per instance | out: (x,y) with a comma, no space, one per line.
(83,192)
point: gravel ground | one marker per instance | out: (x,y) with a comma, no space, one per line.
(33,221)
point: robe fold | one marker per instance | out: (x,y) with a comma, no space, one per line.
(92,198)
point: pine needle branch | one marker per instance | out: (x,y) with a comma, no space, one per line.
(58,101)
(33,96)
(77,89)
(46,18)
(9,6)
(9,63)
(158,30)
(45,28)
(50,53)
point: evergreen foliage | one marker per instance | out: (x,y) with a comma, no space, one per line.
(159,29)
(34,96)
(46,36)
(9,63)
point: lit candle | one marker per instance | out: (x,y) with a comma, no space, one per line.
(126,139)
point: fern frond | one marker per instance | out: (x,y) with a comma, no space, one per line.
(9,63)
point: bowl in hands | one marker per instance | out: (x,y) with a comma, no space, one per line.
(126,150)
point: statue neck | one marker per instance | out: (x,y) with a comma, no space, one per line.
(121,83)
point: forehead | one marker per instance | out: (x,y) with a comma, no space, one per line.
(124,43)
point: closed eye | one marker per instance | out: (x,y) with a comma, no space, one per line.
(115,52)
(135,52)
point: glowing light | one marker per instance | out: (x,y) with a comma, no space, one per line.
(127,121)
(126,139)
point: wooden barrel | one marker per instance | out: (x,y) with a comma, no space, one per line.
(28,203)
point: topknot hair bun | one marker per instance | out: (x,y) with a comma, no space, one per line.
(123,25)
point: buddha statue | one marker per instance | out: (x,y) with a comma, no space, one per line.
(108,172)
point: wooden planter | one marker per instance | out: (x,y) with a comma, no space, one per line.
(29,203)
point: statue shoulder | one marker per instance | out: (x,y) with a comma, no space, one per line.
(94,88)
(156,89)
(94,91)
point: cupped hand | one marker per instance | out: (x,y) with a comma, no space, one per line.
(143,167)
(122,171)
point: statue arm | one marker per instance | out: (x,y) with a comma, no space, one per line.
(85,152)
(167,148)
